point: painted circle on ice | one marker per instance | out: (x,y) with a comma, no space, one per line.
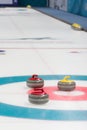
(41,114)
(80,93)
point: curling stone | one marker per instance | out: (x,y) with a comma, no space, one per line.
(38,96)
(35,82)
(28,6)
(66,85)
(76,26)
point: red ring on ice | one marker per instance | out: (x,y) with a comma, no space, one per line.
(51,91)
(52,96)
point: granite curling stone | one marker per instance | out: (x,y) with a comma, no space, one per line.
(76,26)
(38,96)
(66,85)
(35,82)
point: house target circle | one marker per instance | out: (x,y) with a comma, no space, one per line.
(35,113)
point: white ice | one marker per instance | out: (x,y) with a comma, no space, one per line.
(37,43)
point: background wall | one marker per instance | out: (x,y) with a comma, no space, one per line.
(58,4)
(8,2)
(83,10)
(78,7)
(34,3)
